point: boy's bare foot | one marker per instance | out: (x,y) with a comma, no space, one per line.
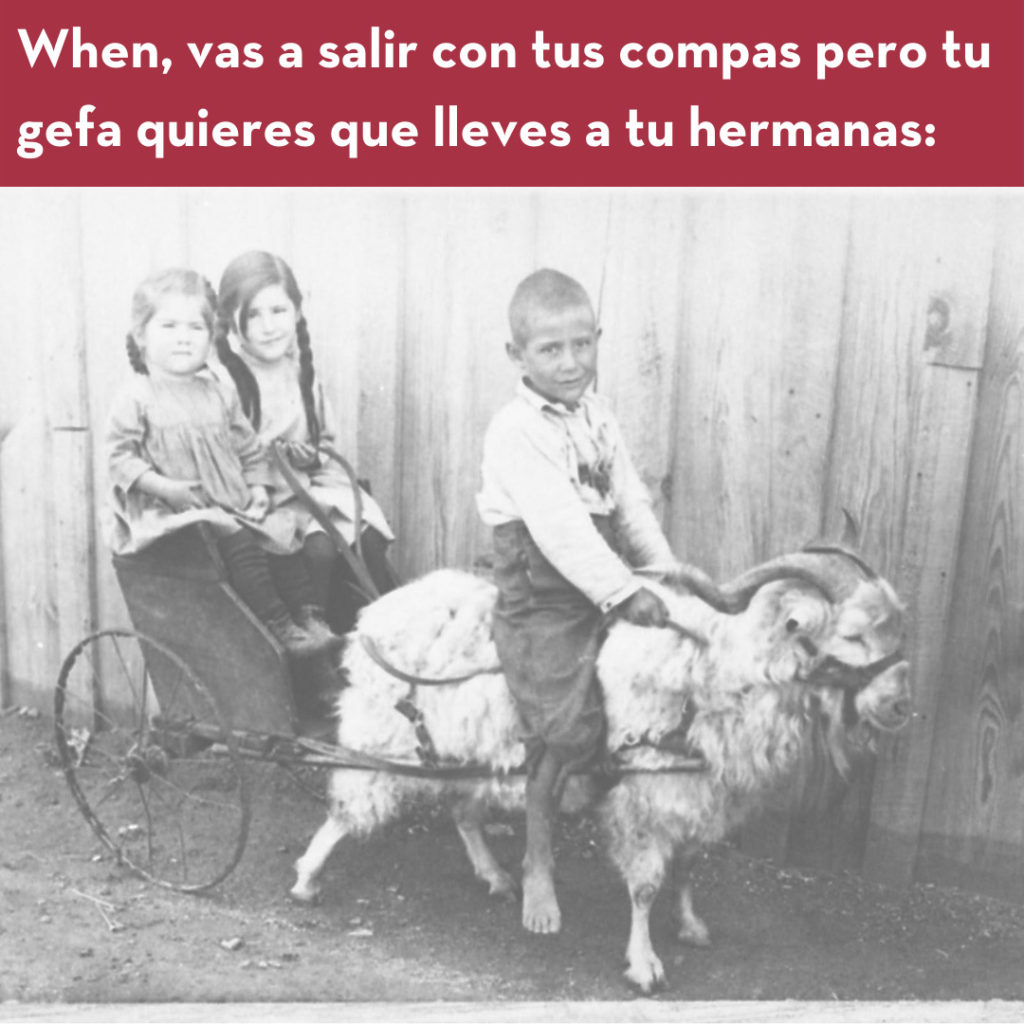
(541,914)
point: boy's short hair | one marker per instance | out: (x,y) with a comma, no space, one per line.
(543,291)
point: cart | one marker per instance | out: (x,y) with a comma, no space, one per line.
(155,758)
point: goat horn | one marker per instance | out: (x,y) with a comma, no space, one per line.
(807,567)
(698,582)
(843,552)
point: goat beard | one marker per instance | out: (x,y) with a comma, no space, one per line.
(828,759)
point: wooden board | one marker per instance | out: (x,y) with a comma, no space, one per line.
(879,442)
(641,302)
(465,255)
(973,822)
(761,300)
(31,646)
(346,268)
(953,299)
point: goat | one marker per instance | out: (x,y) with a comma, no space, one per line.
(811,662)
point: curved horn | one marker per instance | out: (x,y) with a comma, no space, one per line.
(698,582)
(808,567)
(833,549)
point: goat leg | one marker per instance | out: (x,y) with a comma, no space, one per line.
(469,814)
(643,968)
(357,805)
(308,866)
(692,930)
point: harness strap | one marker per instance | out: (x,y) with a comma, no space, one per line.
(368,645)
(287,749)
(833,672)
(424,741)
(850,708)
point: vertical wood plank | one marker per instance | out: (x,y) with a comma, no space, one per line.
(72,509)
(973,823)
(114,261)
(349,268)
(761,305)
(760,313)
(465,255)
(890,461)
(5,683)
(27,278)
(221,223)
(641,321)
(9,417)
(572,236)
(13,392)
(958,290)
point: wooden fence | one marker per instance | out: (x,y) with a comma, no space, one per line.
(775,357)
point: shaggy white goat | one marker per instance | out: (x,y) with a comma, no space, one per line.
(765,688)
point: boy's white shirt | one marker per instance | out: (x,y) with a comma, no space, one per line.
(531,453)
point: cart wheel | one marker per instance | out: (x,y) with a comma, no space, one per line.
(155,770)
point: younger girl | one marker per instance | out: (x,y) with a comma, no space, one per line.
(261,312)
(181,452)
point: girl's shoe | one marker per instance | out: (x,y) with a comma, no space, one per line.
(311,619)
(302,643)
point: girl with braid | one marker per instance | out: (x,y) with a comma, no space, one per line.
(263,342)
(181,452)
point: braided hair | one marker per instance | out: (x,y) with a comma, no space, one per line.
(146,299)
(244,277)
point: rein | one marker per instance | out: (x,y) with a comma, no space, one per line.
(354,559)
(851,678)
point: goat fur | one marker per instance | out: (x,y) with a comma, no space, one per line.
(757,723)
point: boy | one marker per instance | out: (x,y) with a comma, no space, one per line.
(562,495)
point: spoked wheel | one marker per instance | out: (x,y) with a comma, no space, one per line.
(154,769)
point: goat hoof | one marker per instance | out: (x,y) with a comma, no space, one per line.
(646,985)
(694,937)
(648,977)
(308,896)
(502,886)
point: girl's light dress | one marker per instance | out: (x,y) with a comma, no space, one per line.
(283,418)
(189,428)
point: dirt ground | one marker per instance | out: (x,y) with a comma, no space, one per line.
(402,919)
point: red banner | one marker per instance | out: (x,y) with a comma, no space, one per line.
(403,93)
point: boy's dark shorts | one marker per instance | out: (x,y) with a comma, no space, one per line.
(547,633)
